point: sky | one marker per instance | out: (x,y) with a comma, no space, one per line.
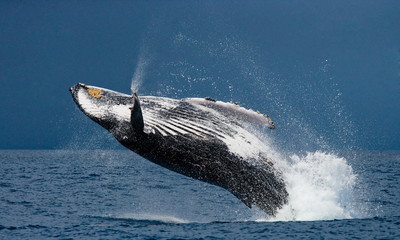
(327,72)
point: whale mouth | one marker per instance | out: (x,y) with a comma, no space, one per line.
(104,106)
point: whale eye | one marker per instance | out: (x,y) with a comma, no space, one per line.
(96,93)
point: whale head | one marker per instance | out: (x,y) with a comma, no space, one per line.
(112,110)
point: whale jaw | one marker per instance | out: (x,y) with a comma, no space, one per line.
(108,108)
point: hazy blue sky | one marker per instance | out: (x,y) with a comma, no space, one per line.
(326,69)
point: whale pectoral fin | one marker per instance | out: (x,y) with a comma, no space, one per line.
(233,110)
(136,115)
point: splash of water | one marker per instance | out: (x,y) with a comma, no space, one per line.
(140,71)
(320,187)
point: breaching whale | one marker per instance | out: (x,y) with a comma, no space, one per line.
(201,138)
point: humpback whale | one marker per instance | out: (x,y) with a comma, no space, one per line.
(200,138)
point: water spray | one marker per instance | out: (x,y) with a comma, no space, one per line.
(140,71)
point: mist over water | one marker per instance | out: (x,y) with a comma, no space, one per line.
(140,70)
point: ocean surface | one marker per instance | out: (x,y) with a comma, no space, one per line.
(115,194)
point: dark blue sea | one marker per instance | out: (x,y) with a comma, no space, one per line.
(114,194)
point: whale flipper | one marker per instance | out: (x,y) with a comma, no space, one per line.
(233,110)
(198,116)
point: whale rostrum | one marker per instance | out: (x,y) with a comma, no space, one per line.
(202,138)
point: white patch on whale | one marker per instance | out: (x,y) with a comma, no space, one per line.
(99,110)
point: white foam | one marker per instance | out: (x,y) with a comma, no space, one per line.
(320,187)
